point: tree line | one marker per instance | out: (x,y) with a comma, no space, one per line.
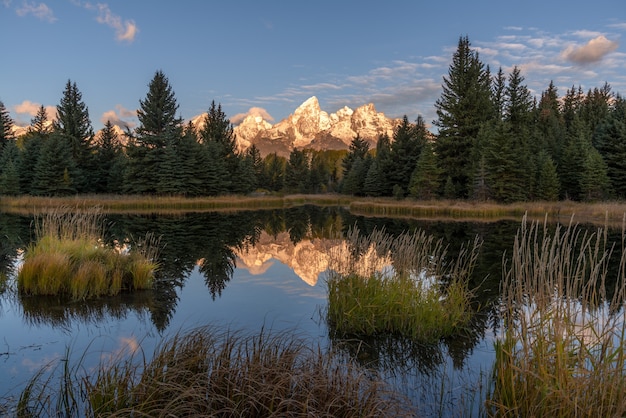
(494,142)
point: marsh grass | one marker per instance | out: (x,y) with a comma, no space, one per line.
(421,295)
(70,259)
(562,352)
(210,372)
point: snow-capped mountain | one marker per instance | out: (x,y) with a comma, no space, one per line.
(311,127)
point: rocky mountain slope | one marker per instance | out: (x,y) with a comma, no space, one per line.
(311,127)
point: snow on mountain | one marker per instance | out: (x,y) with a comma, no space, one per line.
(311,127)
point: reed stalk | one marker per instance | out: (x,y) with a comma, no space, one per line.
(209,372)
(562,352)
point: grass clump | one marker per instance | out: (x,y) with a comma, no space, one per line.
(562,352)
(208,372)
(70,259)
(414,292)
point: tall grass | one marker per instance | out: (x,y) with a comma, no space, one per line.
(208,372)
(70,259)
(421,294)
(562,353)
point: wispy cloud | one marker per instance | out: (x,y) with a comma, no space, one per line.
(39,10)
(592,51)
(119,117)
(125,29)
(253,111)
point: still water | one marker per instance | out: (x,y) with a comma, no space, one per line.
(247,271)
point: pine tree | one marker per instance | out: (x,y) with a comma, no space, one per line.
(38,133)
(55,172)
(218,130)
(550,128)
(425,179)
(105,154)
(373,184)
(273,177)
(9,169)
(548,187)
(610,137)
(39,124)
(73,122)
(594,182)
(358,149)
(385,164)
(354,180)
(297,172)
(464,106)
(6,126)
(408,141)
(159,127)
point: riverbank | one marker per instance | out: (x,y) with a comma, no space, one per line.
(610,212)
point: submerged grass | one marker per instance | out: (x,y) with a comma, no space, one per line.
(208,372)
(70,259)
(563,352)
(419,294)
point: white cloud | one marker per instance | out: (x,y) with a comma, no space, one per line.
(40,11)
(253,111)
(592,51)
(125,30)
(31,108)
(119,116)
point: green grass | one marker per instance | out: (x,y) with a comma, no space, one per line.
(424,296)
(69,259)
(562,352)
(208,372)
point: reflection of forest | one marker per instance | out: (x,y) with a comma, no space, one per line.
(301,237)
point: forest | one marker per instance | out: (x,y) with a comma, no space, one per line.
(494,142)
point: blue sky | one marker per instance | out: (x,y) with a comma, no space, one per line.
(269,57)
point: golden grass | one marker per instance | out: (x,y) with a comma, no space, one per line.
(69,259)
(601,213)
(208,372)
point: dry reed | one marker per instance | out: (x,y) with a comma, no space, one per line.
(562,353)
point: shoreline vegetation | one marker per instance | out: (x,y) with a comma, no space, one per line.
(610,213)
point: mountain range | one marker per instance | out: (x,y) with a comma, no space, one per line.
(311,127)
(307,127)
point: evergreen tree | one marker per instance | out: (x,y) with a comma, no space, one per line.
(498,94)
(9,169)
(405,150)
(217,129)
(159,128)
(373,184)
(37,135)
(55,172)
(354,180)
(105,153)
(6,126)
(547,179)
(384,163)
(297,172)
(273,177)
(464,106)
(73,122)
(610,137)
(358,149)
(594,181)
(425,179)
(216,171)
(549,128)
(574,156)
(39,124)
